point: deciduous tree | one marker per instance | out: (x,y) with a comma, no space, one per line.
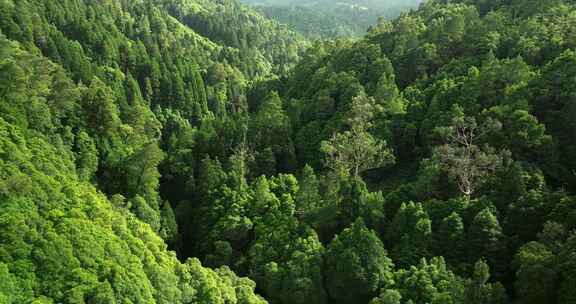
(356,150)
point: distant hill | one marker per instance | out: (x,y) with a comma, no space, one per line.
(331,18)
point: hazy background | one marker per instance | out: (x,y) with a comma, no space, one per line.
(331,18)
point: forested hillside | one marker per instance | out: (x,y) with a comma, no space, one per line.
(193,151)
(327,19)
(92,94)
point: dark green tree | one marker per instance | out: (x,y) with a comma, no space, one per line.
(357,265)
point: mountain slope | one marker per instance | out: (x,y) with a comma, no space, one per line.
(430,161)
(86,90)
(331,19)
(62,240)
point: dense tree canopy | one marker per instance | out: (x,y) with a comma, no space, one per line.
(327,19)
(194,151)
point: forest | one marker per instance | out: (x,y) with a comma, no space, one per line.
(196,151)
(329,19)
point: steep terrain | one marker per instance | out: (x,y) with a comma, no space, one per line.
(193,151)
(88,89)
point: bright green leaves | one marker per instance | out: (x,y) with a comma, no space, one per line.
(479,291)
(12,289)
(68,243)
(219,287)
(410,234)
(253,228)
(308,197)
(101,111)
(142,173)
(87,156)
(288,264)
(388,296)
(429,281)
(356,150)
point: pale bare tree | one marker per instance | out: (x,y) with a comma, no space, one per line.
(466,163)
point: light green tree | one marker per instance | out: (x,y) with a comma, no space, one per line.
(356,150)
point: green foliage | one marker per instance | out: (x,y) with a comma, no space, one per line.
(388,297)
(64,242)
(430,282)
(554,104)
(168,224)
(451,238)
(133,71)
(535,263)
(355,151)
(480,291)
(308,196)
(357,265)
(465,163)
(486,239)
(328,19)
(270,131)
(472,98)
(131,128)
(142,173)
(409,234)
(87,162)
